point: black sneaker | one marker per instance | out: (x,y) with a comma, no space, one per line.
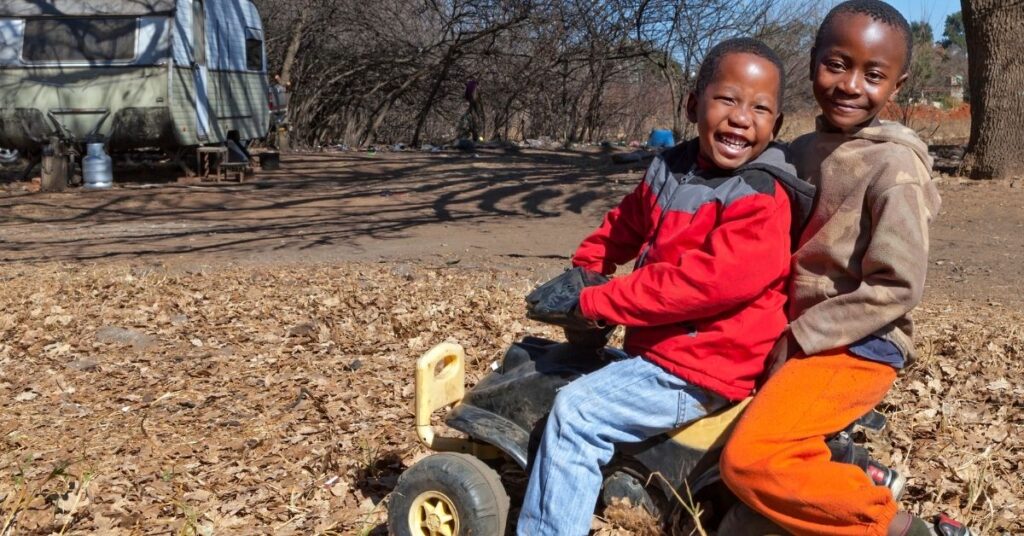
(947,526)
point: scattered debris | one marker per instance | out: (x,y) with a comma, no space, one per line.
(632,157)
(948,158)
(8,156)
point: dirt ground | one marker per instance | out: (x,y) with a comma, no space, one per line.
(236,358)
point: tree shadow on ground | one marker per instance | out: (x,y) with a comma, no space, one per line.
(317,200)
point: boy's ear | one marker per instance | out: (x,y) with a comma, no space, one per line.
(691,107)
(899,85)
(778,125)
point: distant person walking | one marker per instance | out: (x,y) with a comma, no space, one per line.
(473,119)
(278,99)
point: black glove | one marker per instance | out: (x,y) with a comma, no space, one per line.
(558,301)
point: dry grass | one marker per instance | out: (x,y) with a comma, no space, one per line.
(277,400)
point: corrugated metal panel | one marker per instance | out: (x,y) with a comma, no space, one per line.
(181,47)
(237,96)
(246,112)
(183,105)
(226,23)
(239,101)
(36,8)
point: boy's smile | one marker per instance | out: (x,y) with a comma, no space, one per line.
(738,112)
(859,67)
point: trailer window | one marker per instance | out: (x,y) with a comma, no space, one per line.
(87,39)
(254,54)
(253,49)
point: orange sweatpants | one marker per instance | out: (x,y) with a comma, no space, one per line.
(778,464)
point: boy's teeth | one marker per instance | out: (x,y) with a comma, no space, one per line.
(735,142)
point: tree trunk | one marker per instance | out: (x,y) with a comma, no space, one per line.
(446,64)
(293,45)
(995,55)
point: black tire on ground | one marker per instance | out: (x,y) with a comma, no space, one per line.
(740,520)
(448,489)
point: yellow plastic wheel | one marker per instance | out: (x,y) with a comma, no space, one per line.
(433,514)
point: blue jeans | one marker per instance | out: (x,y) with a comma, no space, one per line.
(625,402)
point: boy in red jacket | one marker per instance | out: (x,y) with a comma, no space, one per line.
(709,228)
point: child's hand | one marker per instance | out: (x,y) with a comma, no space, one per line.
(557,301)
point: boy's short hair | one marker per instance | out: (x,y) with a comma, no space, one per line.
(737,45)
(877,10)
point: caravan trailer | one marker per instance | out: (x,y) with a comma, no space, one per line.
(172,75)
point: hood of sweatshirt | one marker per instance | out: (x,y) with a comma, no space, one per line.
(893,132)
(776,161)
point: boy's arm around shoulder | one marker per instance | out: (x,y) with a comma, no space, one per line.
(746,252)
(901,204)
(620,236)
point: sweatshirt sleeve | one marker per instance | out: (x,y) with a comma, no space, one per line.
(741,258)
(893,274)
(620,236)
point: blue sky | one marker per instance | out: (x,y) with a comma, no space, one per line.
(933,11)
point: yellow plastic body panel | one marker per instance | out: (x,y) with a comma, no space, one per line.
(437,388)
(711,431)
(440,382)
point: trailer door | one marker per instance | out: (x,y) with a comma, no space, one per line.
(200,71)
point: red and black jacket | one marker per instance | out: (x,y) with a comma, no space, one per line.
(706,297)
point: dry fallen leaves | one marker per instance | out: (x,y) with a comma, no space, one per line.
(277,400)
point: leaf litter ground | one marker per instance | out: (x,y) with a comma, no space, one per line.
(144,400)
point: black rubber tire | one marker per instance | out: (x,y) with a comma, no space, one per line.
(474,489)
(741,520)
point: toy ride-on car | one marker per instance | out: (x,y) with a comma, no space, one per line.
(458,491)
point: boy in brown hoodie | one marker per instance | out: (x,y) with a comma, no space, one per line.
(857,273)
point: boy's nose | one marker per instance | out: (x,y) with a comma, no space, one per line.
(850,84)
(740,116)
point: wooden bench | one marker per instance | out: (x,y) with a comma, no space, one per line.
(234,167)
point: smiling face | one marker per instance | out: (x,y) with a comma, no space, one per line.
(857,69)
(737,114)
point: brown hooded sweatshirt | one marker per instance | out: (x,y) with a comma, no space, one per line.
(861,264)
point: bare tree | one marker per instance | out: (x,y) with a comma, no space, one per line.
(571,70)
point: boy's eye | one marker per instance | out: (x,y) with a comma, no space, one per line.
(835,65)
(873,77)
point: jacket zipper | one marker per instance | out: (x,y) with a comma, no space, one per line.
(690,175)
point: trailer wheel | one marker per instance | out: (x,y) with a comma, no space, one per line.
(55,173)
(448,494)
